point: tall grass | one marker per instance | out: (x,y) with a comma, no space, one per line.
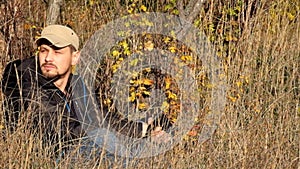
(259,48)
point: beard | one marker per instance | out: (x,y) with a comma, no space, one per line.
(52,73)
(49,73)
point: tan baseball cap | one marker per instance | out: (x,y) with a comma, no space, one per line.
(59,36)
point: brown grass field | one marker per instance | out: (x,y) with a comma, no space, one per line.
(258,43)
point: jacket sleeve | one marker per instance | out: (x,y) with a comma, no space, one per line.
(13,87)
(135,129)
(12,94)
(10,80)
(92,113)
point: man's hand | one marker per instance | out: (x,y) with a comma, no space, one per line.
(160,136)
(157,135)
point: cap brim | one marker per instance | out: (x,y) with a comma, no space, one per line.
(54,40)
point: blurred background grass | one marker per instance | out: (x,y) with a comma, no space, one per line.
(258,42)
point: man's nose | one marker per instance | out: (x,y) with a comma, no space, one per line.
(50,55)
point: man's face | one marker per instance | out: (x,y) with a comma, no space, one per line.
(56,62)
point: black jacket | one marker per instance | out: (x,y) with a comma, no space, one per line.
(59,117)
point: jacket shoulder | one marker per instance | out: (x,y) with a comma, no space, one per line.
(15,71)
(20,65)
(29,63)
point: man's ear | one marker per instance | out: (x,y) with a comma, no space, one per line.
(75,57)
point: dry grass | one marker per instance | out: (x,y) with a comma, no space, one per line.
(261,55)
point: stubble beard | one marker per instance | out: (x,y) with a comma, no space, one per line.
(51,75)
(54,75)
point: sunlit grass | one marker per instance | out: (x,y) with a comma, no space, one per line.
(260,51)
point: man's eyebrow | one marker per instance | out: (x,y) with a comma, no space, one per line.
(41,47)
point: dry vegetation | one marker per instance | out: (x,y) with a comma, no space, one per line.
(258,43)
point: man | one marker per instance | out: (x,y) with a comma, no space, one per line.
(41,89)
(54,104)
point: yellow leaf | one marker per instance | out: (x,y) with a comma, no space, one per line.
(175,12)
(127,52)
(148,69)
(132,97)
(136,82)
(36,37)
(91,2)
(173,103)
(142,88)
(143,8)
(256,110)
(148,82)
(134,74)
(120,33)
(138,94)
(132,89)
(168,82)
(146,93)
(165,106)
(149,45)
(167,39)
(142,106)
(115,53)
(124,44)
(239,84)
(107,101)
(134,62)
(173,49)
(130,10)
(115,67)
(171,95)
(132,81)
(290,16)
(173,34)
(247,79)
(127,24)
(146,22)
(231,38)
(210,86)
(173,120)
(233,99)
(186,58)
